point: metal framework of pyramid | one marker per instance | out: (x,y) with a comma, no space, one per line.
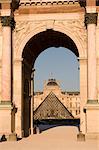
(52,108)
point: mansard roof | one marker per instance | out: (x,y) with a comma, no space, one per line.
(52,108)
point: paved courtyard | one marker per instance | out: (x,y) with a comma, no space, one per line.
(59,138)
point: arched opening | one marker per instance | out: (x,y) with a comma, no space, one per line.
(56,74)
(60,64)
(32,49)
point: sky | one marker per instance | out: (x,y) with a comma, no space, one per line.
(60,64)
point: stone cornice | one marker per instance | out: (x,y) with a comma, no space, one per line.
(92,105)
(5,105)
(47,2)
(16,61)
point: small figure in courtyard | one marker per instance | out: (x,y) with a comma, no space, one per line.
(3,138)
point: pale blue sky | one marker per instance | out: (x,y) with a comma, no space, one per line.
(59,63)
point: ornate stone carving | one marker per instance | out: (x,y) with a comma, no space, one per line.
(91,18)
(48,2)
(15,4)
(82,3)
(78,29)
(23,28)
(8,21)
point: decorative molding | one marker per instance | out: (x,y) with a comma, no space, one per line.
(18,60)
(82,3)
(48,2)
(83,61)
(82,58)
(70,26)
(91,107)
(5,102)
(91,18)
(8,21)
(92,102)
(5,105)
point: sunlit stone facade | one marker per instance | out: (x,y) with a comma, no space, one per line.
(27,28)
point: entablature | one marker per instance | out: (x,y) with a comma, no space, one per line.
(50,6)
(82,3)
(47,2)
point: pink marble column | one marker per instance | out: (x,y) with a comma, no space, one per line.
(6,64)
(8,23)
(91,21)
(91,28)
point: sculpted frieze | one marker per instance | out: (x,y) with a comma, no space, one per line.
(23,28)
(77,28)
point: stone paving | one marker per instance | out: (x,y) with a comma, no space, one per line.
(59,138)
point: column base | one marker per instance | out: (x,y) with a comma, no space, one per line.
(5,117)
(92,119)
(93,136)
(80,137)
(5,103)
(12,137)
(92,102)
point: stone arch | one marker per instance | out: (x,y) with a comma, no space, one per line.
(80,44)
(25,38)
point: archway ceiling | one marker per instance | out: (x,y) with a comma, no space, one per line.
(44,40)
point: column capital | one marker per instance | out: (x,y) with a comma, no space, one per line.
(91,18)
(8,21)
(82,3)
